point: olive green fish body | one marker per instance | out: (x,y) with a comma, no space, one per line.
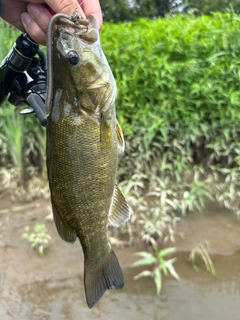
(83,138)
(79,188)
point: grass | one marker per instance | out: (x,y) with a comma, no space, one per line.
(14,130)
(201,251)
(161,266)
(38,237)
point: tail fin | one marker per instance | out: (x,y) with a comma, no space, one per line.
(99,278)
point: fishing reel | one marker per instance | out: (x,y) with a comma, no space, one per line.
(23,77)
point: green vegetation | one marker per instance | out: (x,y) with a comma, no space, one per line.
(178,105)
(124,10)
(38,238)
(209,6)
(14,131)
(201,251)
(162,266)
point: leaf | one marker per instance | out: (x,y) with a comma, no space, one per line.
(158,280)
(147,259)
(164,252)
(145,273)
(171,268)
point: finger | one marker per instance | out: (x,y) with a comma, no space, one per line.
(40,15)
(65,6)
(92,7)
(32,28)
(35,22)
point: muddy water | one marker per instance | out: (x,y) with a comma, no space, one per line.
(51,287)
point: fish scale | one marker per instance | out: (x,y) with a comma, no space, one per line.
(77,180)
(83,140)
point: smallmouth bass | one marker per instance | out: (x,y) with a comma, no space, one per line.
(83,139)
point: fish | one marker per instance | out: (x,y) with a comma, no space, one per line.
(84,139)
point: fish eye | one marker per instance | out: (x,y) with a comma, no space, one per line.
(73,57)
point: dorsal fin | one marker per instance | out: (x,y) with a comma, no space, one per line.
(120,138)
(119,211)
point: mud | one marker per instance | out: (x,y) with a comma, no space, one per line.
(51,287)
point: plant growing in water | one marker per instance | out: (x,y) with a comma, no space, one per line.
(161,266)
(201,250)
(39,238)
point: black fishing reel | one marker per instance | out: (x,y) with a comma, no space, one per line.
(23,77)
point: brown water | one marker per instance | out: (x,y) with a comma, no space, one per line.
(51,287)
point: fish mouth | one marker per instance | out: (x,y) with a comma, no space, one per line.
(85,29)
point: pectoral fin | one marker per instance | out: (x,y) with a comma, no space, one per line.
(66,233)
(119,211)
(120,138)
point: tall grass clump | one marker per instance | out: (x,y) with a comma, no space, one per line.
(22,139)
(13,129)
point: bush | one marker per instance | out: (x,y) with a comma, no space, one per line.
(178,82)
(178,105)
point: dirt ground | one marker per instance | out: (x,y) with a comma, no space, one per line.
(51,287)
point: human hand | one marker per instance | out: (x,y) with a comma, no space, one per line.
(32,17)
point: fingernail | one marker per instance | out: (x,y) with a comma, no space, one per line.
(26,19)
(33,10)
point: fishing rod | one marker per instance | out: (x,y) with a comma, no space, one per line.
(23,74)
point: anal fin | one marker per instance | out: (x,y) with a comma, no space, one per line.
(66,233)
(119,210)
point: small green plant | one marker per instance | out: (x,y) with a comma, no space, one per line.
(161,266)
(38,238)
(201,250)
